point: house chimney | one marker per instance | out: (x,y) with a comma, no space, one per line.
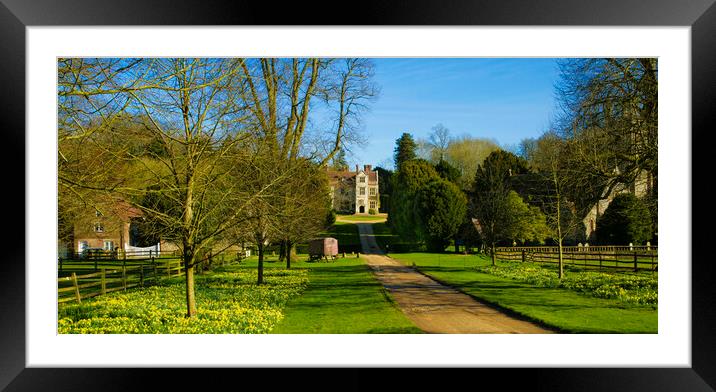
(357,168)
(366,167)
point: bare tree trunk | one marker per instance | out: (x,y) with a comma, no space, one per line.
(282,250)
(559,236)
(189,270)
(492,250)
(561,262)
(261,261)
(289,251)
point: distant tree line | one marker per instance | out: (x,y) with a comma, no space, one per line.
(602,145)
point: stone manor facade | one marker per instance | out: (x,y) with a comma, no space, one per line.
(354,192)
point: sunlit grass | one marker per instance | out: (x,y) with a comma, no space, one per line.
(343,297)
(565,309)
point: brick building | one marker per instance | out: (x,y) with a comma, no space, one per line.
(108,228)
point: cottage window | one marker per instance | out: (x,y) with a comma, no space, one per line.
(361,179)
(372,191)
(372,204)
(362,191)
(99,228)
(108,245)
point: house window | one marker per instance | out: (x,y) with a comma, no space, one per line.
(372,204)
(372,191)
(361,179)
(99,228)
(362,191)
(97,213)
(108,245)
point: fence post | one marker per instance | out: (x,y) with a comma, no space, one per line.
(635,264)
(95,264)
(104,281)
(124,277)
(141,274)
(523,255)
(77,289)
(169,271)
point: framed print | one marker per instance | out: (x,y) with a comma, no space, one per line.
(42,36)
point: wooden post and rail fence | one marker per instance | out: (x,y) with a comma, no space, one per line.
(108,279)
(109,275)
(634,258)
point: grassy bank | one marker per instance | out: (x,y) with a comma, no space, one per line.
(566,309)
(345,233)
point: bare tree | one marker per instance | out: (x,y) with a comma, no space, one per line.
(439,141)
(559,188)
(186,178)
(610,111)
(202,146)
(281,94)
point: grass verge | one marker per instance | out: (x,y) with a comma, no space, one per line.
(565,309)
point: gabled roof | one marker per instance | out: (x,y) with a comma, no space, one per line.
(336,175)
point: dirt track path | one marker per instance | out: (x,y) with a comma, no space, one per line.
(433,307)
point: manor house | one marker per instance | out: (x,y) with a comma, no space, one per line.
(354,191)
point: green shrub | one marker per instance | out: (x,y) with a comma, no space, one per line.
(372,211)
(330,218)
(626,220)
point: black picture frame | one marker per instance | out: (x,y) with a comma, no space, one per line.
(700,15)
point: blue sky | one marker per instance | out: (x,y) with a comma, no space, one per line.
(503,99)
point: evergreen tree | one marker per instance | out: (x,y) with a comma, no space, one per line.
(385,189)
(626,220)
(442,207)
(448,171)
(405,150)
(404,217)
(490,203)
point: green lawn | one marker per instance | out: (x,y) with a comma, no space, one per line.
(564,309)
(362,218)
(345,233)
(343,297)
